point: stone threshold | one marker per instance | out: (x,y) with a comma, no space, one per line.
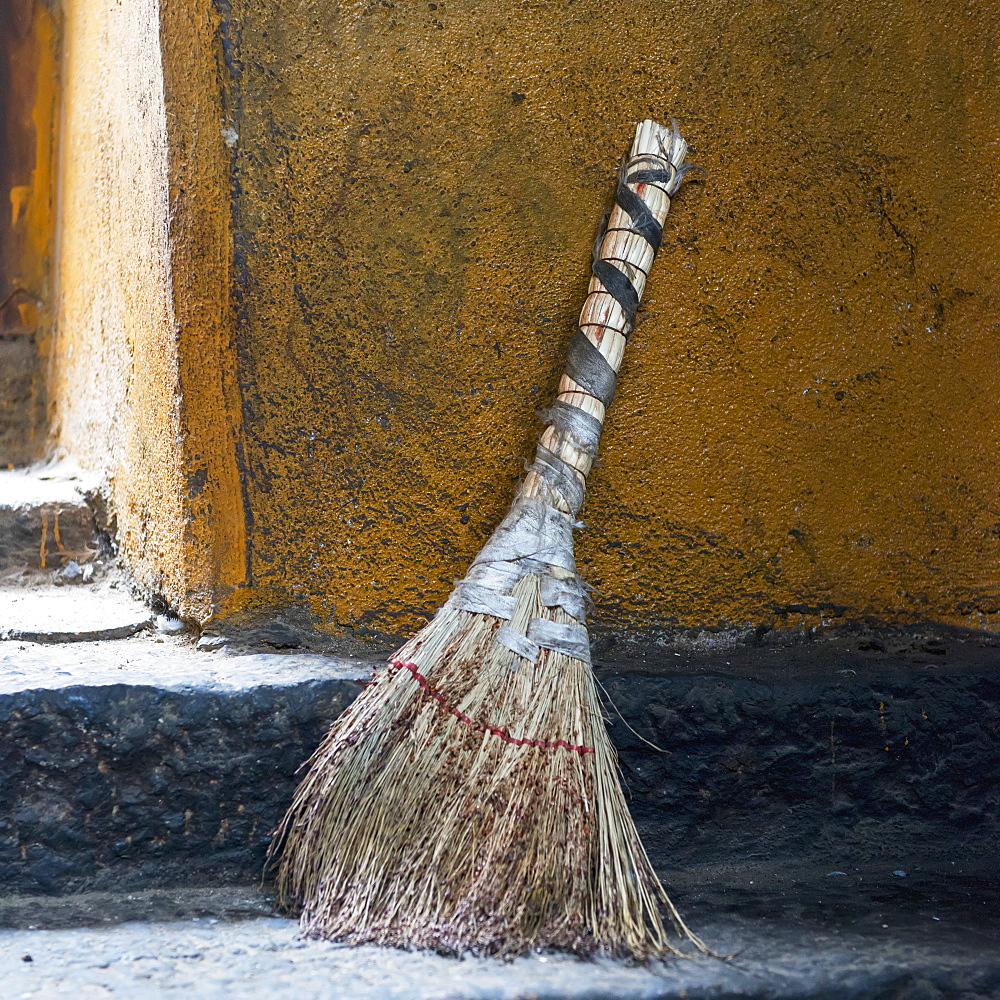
(261,957)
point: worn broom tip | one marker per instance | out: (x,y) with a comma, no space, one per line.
(469,800)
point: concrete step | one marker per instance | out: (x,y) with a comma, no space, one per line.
(827,808)
(264,957)
(98,610)
(146,761)
(50,516)
(103,909)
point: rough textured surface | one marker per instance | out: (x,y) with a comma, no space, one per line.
(129,785)
(28,110)
(871,740)
(407,194)
(45,518)
(264,959)
(139,370)
(94,909)
(165,663)
(188,761)
(140,779)
(417,187)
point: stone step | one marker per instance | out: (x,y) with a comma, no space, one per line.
(266,958)
(50,516)
(102,909)
(147,762)
(50,614)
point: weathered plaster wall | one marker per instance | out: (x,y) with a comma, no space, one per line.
(28,107)
(139,372)
(390,207)
(806,424)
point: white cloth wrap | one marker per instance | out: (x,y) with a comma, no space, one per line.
(566,594)
(571,640)
(518,643)
(537,538)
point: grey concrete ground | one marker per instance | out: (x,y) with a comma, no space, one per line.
(265,958)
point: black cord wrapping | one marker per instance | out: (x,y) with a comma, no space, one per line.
(585,364)
(619,286)
(643,221)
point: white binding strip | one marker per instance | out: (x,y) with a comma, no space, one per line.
(482,600)
(498,576)
(571,640)
(517,643)
(565,594)
(532,530)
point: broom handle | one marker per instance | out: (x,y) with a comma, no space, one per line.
(628,246)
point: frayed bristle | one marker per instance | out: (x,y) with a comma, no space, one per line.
(428,818)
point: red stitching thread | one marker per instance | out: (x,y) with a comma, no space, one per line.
(428,688)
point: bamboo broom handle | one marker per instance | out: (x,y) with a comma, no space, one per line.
(652,174)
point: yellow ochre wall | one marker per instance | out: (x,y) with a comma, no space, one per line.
(806,427)
(401,199)
(142,382)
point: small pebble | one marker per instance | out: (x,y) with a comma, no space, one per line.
(72,572)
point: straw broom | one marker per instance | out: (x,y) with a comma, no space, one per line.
(469,800)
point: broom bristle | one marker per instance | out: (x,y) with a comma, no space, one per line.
(469,800)
(429,820)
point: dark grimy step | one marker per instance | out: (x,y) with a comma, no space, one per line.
(146,762)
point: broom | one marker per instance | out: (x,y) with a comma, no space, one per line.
(469,800)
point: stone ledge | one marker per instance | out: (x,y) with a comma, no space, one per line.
(46,519)
(69,614)
(265,958)
(138,763)
(143,762)
(102,909)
